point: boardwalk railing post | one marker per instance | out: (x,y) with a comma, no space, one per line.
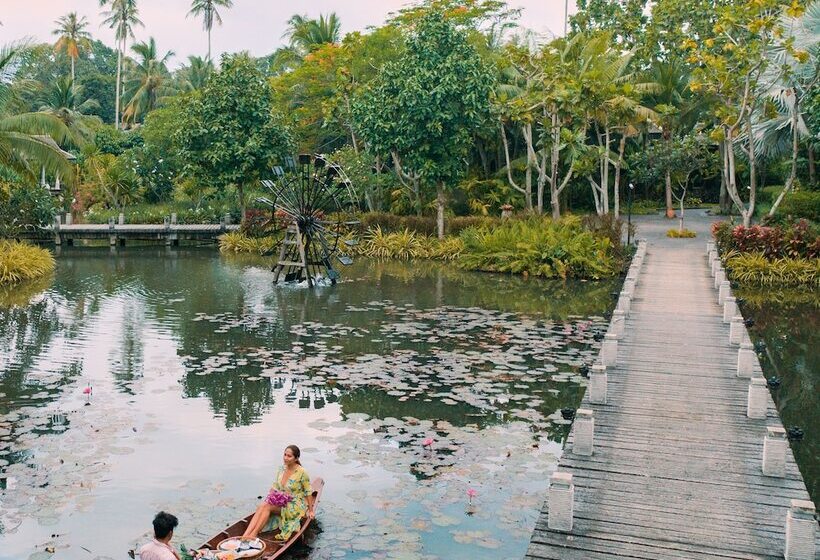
(122,219)
(720,276)
(710,246)
(582,443)
(745,359)
(800,531)
(756,401)
(609,350)
(68,218)
(173,218)
(736,330)
(724,292)
(112,237)
(561,501)
(729,309)
(774,451)
(597,384)
(618,323)
(629,287)
(57,239)
(716,264)
(624,303)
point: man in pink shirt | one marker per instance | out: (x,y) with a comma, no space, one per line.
(160,547)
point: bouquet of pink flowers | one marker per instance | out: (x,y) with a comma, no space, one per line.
(278,499)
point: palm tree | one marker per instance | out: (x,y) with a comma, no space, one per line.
(65,101)
(122,17)
(27,139)
(306,34)
(72,37)
(147,80)
(193,76)
(207,9)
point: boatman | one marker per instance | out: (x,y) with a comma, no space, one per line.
(160,547)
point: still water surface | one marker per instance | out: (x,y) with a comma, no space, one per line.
(202,371)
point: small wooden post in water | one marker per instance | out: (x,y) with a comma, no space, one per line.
(561,500)
(582,443)
(800,531)
(774,452)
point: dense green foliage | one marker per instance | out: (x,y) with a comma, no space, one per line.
(228,135)
(539,247)
(445,110)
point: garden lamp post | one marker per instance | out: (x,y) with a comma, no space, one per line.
(629,215)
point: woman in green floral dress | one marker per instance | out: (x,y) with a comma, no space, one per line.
(292,479)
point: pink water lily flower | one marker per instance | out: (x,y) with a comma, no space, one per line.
(427,442)
(471,493)
(87,390)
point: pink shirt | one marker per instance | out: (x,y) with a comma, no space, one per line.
(156,550)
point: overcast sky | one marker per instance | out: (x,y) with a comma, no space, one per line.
(253,25)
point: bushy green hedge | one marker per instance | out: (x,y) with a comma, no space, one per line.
(156,214)
(801,204)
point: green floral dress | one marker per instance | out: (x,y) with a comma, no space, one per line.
(298,486)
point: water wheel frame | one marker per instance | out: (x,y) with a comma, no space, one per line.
(309,198)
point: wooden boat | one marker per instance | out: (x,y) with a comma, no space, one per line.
(273,548)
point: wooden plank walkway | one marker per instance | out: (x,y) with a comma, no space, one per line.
(117,234)
(676,468)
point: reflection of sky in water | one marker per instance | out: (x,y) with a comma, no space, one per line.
(202,372)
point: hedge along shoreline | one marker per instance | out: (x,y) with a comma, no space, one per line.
(21,261)
(778,255)
(536,246)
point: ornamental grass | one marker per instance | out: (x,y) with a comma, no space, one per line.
(22,261)
(237,242)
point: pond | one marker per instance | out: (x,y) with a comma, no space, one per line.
(787,323)
(201,371)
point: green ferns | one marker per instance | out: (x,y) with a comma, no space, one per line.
(539,247)
(21,261)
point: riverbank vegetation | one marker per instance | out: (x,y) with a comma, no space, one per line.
(571,247)
(22,261)
(779,254)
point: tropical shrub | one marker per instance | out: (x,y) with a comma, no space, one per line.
(423,225)
(678,234)
(238,242)
(403,245)
(757,269)
(539,247)
(24,207)
(447,249)
(22,261)
(794,240)
(801,204)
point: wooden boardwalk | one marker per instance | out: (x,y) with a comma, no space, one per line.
(118,234)
(676,468)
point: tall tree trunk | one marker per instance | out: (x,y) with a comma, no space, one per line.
(747,216)
(724,201)
(117,88)
(605,178)
(617,189)
(440,210)
(240,190)
(209,43)
(793,173)
(670,210)
(812,168)
(72,72)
